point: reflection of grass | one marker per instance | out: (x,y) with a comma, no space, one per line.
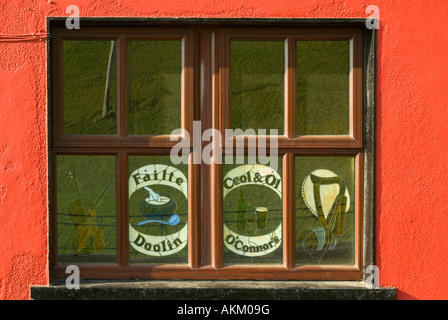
(322,87)
(257,85)
(155,86)
(85,68)
(154,91)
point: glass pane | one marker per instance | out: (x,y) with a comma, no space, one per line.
(158,210)
(323,69)
(325,210)
(90,87)
(257,85)
(86,206)
(155,68)
(253,211)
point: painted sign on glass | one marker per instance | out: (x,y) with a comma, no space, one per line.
(327,197)
(249,233)
(158,208)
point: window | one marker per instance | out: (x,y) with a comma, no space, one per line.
(123,207)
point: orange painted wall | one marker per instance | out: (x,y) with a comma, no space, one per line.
(412,115)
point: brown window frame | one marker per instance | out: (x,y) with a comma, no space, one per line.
(207,46)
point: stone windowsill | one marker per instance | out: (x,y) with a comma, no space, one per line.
(212,290)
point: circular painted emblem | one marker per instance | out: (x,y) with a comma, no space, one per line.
(250,235)
(158,229)
(326,185)
(327,197)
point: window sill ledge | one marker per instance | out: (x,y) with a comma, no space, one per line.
(212,290)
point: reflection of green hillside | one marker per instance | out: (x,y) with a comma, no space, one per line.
(257,84)
(322,87)
(154,87)
(85,69)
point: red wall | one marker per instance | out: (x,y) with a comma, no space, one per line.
(412,197)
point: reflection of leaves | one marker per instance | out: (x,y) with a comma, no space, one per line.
(79,240)
(76,212)
(92,212)
(88,238)
(98,238)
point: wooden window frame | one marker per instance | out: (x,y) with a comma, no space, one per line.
(206,98)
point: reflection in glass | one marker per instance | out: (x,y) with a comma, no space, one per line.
(90,92)
(158,211)
(155,68)
(257,85)
(323,69)
(325,210)
(252,211)
(86,206)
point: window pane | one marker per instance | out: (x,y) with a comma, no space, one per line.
(257,85)
(325,210)
(155,68)
(158,210)
(86,206)
(323,69)
(253,211)
(90,91)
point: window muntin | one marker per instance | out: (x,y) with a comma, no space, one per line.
(291,146)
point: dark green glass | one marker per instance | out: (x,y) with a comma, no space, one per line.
(323,88)
(155,69)
(90,87)
(257,85)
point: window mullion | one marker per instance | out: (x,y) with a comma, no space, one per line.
(289,211)
(123,87)
(290,88)
(194,210)
(122,209)
(204,92)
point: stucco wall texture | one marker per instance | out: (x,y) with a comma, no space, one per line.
(412,126)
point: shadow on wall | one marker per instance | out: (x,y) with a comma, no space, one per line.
(401,295)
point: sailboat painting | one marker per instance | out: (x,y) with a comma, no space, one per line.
(158,207)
